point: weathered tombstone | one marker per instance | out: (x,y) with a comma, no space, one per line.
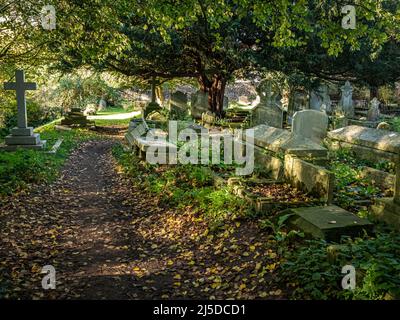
(374,112)
(102,105)
(319,98)
(269,110)
(346,100)
(310,124)
(178,104)
(199,104)
(22,136)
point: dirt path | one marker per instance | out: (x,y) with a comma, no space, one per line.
(108,240)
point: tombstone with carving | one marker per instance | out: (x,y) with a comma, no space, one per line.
(199,104)
(320,97)
(374,112)
(178,105)
(346,101)
(269,110)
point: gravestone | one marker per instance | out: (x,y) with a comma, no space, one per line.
(22,136)
(319,98)
(199,104)
(282,141)
(374,112)
(310,124)
(366,143)
(178,105)
(329,222)
(102,105)
(346,100)
(76,118)
(269,110)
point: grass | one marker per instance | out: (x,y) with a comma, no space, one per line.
(113,122)
(23,167)
(114,110)
(185,186)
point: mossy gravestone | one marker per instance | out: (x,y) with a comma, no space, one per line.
(76,118)
(22,136)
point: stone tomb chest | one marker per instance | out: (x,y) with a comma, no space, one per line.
(368,144)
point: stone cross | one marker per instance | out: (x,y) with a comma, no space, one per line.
(374,112)
(346,101)
(20,86)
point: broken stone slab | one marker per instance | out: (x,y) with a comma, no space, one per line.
(56,146)
(329,222)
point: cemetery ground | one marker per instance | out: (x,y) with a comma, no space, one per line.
(115,227)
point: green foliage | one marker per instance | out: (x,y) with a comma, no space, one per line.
(278,229)
(395,122)
(23,167)
(77,91)
(185,186)
(376,260)
(349,184)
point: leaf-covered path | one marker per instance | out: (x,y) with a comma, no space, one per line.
(110,240)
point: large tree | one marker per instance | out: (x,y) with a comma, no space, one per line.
(210,40)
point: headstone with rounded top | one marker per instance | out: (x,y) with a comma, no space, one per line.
(311,124)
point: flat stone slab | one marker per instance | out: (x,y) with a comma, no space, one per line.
(280,140)
(372,138)
(329,222)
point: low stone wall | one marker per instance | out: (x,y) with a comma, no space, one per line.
(309,178)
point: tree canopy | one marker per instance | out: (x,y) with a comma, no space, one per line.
(211,40)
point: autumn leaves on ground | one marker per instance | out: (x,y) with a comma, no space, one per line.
(109,239)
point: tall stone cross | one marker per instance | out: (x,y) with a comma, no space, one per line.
(20,86)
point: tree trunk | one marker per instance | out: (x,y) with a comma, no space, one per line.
(216,93)
(153,90)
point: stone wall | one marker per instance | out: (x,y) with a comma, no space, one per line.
(309,178)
